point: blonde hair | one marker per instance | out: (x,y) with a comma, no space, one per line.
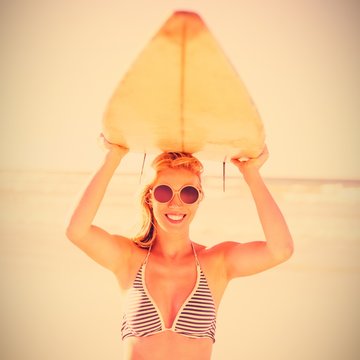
(167,160)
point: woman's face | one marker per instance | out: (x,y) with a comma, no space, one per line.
(175,215)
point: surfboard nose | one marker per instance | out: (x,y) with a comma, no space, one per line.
(186,14)
(183,22)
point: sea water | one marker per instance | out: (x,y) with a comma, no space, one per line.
(56,303)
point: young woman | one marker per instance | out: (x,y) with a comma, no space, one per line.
(172,285)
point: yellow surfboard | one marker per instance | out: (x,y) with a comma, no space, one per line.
(182,94)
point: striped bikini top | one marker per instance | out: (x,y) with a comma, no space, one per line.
(196,317)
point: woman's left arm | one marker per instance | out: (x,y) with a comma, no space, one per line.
(249,258)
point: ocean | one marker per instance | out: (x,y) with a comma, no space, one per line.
(56,303)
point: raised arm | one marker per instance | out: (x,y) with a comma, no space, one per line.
(108,250)
(249,258)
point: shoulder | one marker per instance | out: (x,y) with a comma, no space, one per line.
(217,251)
(216,257)
(212,257)
(126,270)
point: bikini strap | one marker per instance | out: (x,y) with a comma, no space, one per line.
(147,256)
(196,257)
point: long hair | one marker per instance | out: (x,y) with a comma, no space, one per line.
(167,160)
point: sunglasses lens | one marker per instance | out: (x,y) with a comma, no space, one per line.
(189,194)
(163,193)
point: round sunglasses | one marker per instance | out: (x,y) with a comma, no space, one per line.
(188,194)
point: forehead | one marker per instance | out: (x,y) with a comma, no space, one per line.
(177,178)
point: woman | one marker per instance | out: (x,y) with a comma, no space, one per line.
(172,285)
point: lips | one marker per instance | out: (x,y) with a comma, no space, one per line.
(175,218)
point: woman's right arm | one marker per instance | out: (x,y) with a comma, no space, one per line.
(108,250)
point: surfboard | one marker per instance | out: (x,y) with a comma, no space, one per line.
(182,94)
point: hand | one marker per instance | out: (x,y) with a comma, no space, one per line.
(252,165)
(112,148)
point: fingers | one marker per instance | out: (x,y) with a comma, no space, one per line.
(257,162)
(105,144)
(237,162)
(263,156)
(264,153)
(102,139)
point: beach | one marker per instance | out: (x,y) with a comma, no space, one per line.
(56,303)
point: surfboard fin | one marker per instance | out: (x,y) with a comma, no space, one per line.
(224,165)
(142,168)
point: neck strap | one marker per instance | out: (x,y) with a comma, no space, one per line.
(196,258)
(147,255)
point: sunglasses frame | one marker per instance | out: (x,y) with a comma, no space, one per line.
(178,192)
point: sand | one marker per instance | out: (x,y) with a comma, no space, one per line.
(58,304)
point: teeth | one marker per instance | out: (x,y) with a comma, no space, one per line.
(175,217)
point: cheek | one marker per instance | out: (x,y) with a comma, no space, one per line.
(192,213)
(157,209)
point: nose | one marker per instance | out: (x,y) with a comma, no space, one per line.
(175,201)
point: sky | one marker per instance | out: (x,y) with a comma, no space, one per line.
(61,61)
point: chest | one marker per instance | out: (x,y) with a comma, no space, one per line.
(169,287)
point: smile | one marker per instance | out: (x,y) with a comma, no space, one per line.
(175,218)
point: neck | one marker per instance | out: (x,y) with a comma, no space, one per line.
(172,245)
